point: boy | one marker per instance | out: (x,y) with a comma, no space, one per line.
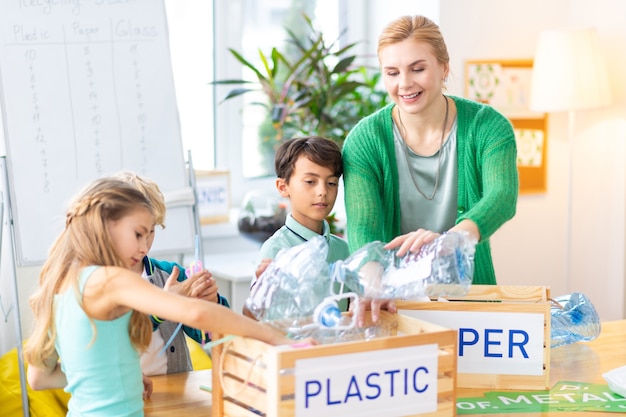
(308,171)
(176,357)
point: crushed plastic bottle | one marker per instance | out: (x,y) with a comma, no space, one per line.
(574,319)
(296,291)
(293,285)
(443,267)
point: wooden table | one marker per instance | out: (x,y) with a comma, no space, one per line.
(580,362)
(180,394)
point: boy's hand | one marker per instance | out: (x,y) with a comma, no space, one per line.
(200,285)
(262,267)
(205,289)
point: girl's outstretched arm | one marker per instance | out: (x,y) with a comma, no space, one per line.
(124,288)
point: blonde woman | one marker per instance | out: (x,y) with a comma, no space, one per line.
(427,163)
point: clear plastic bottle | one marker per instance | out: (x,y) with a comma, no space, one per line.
(574,319)
(292,285)
(443,267)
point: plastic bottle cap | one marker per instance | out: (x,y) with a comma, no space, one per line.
(327,314)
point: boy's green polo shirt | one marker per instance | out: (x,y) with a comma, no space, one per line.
(293,234)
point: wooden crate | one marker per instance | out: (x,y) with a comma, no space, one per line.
(250,375)
(519,306)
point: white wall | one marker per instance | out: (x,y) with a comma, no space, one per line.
(532,249)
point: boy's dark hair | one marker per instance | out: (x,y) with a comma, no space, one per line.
(319,150)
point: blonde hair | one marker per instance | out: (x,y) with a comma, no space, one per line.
(151,190)
(417,28)
(84,241)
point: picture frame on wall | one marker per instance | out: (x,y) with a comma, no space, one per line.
(213,193)
(505,85)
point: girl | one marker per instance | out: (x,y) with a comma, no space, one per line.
(92,311)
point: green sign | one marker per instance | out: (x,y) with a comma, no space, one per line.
(564,396)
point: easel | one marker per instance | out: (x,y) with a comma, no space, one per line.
(195,209)
(6,202)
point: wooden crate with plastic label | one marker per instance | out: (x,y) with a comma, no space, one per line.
(409,372)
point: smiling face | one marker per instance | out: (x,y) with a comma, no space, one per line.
(132,236)
(412,75)
(312,190)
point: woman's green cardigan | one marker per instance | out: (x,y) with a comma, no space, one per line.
(487,178)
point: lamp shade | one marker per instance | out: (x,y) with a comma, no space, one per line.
(569,72)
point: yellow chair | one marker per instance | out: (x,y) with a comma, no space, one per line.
(199,358)
(46,403)
(53,403)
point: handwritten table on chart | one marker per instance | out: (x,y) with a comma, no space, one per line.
(87,90)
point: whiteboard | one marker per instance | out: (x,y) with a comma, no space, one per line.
(87,90)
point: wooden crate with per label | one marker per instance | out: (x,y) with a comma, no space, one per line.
(503,331)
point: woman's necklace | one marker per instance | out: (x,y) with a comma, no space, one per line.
(406,153)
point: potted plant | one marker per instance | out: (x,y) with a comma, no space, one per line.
(310,87)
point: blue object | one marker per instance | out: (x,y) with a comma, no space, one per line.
(574,319)
(327,315)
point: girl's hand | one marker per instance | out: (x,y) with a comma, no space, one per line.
(277,337)
(309,341)
(50,376)
(147,387)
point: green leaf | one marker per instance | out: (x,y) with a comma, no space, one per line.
(237,92)
(315,83)
(343,65)
(226,82)
(248,64)
(268,70)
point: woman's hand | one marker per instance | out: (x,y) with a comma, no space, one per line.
(412,241)
(375,305)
